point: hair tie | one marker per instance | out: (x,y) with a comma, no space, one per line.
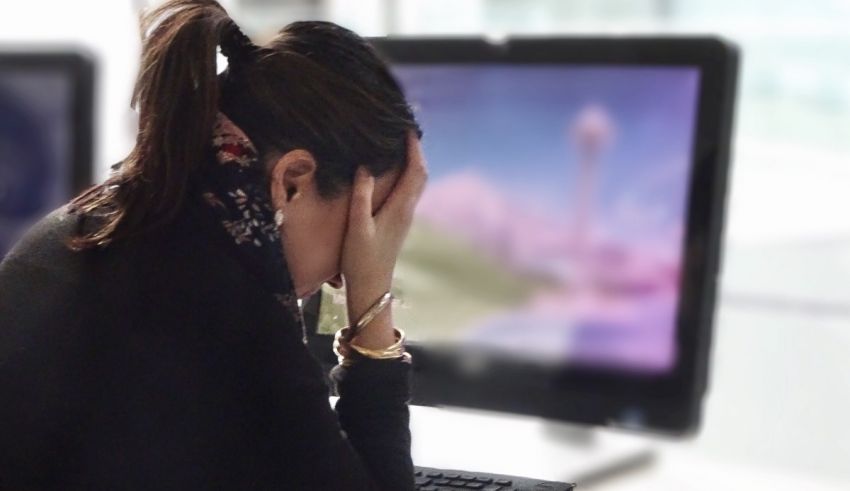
(235,45)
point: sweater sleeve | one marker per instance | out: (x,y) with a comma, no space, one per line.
(364,442)
(374,414)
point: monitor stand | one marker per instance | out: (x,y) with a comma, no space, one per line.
(480,440)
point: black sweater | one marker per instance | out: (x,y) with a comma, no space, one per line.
(158,363)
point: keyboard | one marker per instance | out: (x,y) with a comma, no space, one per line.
(434,479)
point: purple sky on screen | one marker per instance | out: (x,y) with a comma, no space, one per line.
(578,171)
(511,124)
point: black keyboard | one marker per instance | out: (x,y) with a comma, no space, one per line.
(433,479)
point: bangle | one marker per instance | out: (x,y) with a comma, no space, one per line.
(348,352)
(343,345)
(373,311)
(349,361)
(392,351)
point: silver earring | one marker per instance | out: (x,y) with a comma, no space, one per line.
(278,217)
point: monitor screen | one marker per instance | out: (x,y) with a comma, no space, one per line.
(553,222)
(36,145)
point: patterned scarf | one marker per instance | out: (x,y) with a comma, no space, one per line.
(234,186)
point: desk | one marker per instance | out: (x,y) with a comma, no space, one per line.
(466,439)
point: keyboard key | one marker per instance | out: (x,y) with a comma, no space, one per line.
(452,475)
(434,474)
(440,482)
(467,477)
(474,485)
(457,483)
(421,481)
(485,480)
(417,473)
(503,482)
(493,487)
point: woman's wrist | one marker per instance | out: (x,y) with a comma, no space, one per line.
(378,333)
(363,294)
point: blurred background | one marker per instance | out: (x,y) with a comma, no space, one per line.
(779,395)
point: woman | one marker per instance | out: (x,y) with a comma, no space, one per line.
(150,331)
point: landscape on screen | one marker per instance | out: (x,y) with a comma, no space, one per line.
(553,220)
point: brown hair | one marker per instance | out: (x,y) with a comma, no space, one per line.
(316,86)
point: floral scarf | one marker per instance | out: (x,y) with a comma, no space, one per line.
(234,186)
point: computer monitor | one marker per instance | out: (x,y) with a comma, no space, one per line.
(46,100)
(564,255)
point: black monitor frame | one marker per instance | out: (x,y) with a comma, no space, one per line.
(670,403)
(80,68)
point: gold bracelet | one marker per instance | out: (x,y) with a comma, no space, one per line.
(373,311)
(342,342)
(347,356)
(392,351)
(347,362)
(348,352)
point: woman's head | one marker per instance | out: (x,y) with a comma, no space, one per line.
(316,100)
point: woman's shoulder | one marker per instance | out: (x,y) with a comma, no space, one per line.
(43,250)
(42,245)
(185,263)
(42,287)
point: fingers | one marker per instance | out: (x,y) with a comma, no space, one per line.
(410,186)
(360,210)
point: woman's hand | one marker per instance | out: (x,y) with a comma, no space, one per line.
(372,244)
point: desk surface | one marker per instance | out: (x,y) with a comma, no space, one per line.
(466,439)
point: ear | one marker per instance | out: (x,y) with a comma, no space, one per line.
(292,176)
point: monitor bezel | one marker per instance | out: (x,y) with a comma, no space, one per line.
(669,403)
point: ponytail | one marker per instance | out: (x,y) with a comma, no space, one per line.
(316,86)
(176,95)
